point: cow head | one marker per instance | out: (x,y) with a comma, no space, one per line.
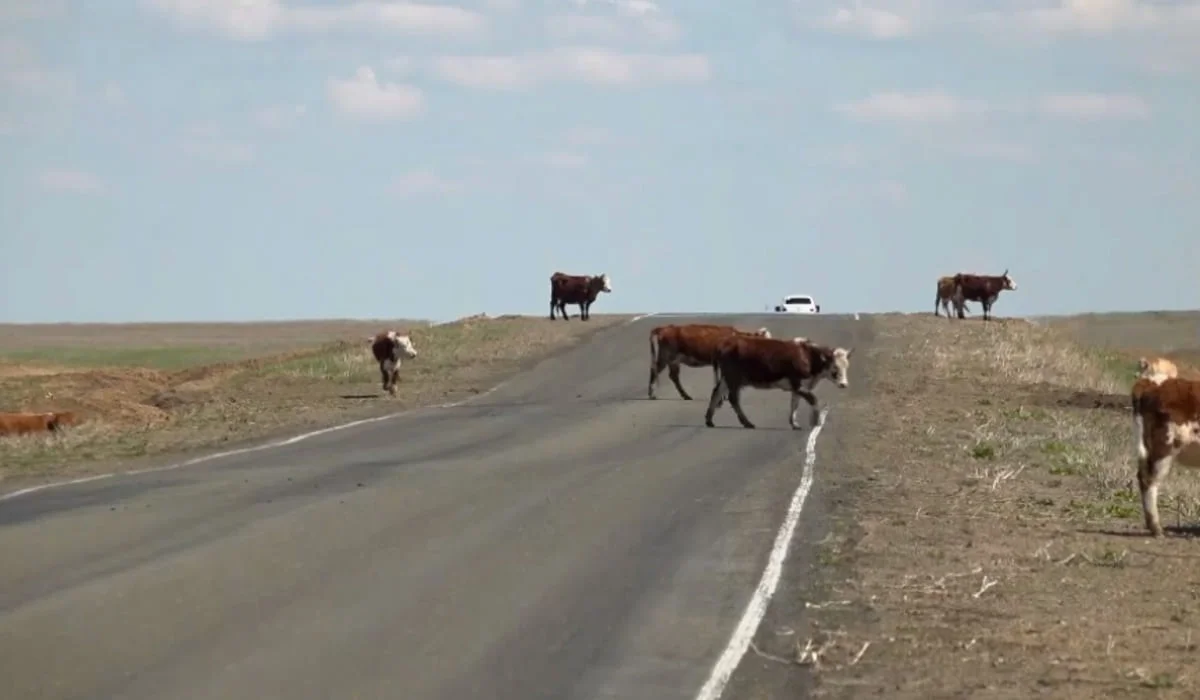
(1008,281)
(1157,370)
(763,332)
(404,344)
(838,369)
(605,282)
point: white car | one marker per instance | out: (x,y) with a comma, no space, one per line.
(798,304)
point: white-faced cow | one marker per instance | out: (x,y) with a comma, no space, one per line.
(390,350)
(1166,416)
(769,363)
(945,295)
(576,289)
(692,345)
(984,289)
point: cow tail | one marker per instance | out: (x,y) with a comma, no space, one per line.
(654,349)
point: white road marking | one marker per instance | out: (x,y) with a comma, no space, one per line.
(267,446)
(743,634)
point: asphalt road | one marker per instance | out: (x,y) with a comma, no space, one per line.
(561,537)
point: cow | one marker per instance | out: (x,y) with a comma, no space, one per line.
(27,423)
(1166,416)
(982,288)
(768,363)
(692,345)
(576,289)
(945,295)
(390,350)
(1157,370)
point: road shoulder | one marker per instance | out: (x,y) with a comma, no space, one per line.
(981,532)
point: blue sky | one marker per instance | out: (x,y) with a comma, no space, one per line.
(247,159)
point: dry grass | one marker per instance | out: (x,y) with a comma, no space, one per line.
(993,543)
(175,406)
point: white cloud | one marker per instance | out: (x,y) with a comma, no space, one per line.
(564,160)
(252,20)
(422,182)
(364,97)
(217,150)
(18,10)
(69,180)
(278,116)
(1006,152)
(1094,106)
(114,95)
(574,64)
(928,106)
(588,136)
(869,22)
(626,19)
(1106,16)
(890,191)
(21,71)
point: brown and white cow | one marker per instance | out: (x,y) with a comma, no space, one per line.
(768,363)
(692,345)
(984,289)
(945,295)
(390,350)
(576,289)
(1166,415)
(27,423)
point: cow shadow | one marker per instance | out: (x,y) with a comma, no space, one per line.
(360,397)
(700,425)
(1184,531)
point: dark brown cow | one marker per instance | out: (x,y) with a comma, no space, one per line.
(576,289)
(945,295)
(984,289)
(26,423)
(1166,417)
(692,345)
(390,350)
(768,363)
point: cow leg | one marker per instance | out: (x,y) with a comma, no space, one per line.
(673,373)
(735,400)
(814,417)
(1151,473)
(383,375)
(719,392)
(553,304)
(583,314)
(562,308)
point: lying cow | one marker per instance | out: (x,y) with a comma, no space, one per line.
(1166,416)
(576,289)
(692,345)
(768,363)
(390,350)
(28,423)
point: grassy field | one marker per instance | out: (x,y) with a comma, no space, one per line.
(989,541)
(158,389)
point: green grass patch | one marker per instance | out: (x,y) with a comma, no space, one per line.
(163,358)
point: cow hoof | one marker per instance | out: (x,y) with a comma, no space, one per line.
(686,397)
(748,426)
(709,423)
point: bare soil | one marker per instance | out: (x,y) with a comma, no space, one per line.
(149,390)
(987,540)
